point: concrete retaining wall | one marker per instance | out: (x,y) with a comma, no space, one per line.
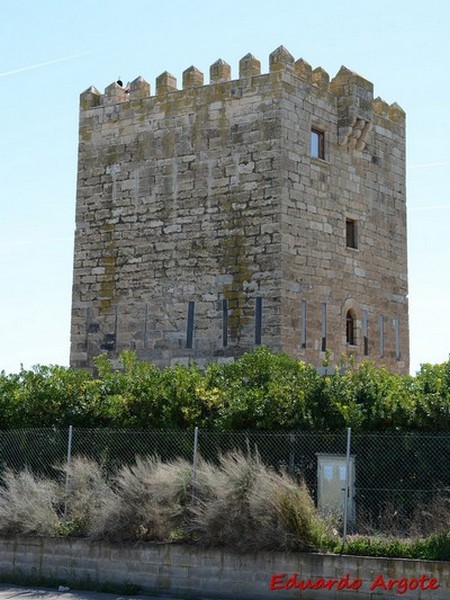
(204,573)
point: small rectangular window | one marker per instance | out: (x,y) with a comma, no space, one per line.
(351,233)
(317,144)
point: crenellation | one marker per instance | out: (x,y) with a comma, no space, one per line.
(192,77)
(303,69)
(90,98)
(165,83)
(249,66)
(281,60)
(396,112)
(114,94)
(219,72)
(139,88)
(355,94)
(320,78)
(380,107)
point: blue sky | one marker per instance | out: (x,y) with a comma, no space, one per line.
(51,51)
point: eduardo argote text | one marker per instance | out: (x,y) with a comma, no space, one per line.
(283,581)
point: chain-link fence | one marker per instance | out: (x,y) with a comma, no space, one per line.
(393,482)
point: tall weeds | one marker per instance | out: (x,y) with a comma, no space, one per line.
(148,502)
(239,503)
(249,506)
(87,492)
(28,504)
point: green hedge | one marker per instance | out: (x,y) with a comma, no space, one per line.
(260,391)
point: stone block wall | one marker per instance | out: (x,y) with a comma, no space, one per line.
(204,225)
(190,572)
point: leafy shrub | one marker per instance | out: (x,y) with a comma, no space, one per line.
(378,546)
(434,547)
(261,390)
(266,391)
(433,397)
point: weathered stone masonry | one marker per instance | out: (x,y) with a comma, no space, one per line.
(269,209)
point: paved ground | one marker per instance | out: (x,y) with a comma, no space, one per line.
(13,592)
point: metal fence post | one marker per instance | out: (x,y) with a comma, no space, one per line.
(69,460)
(291,467)
(347,486)
(194,462)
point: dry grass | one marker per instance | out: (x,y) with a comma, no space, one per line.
(427,518)
(240,503)
(87,492)
(431,518)
(251,507)
(28,504)
(148,502)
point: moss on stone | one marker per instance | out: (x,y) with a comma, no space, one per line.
(235,262)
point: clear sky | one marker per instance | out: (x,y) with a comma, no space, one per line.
(52,50)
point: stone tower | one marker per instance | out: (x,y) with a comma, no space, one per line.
(268,209)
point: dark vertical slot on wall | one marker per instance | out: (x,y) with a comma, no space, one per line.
(109,342)
(324,327)
(116,320)
(366,332)
(258,321)
(225,322)
(381,328)
(397,339)
(350,326)
(86,337)
(303,317)
(146,327)
(190,325)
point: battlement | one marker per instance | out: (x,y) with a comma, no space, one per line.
(353,92)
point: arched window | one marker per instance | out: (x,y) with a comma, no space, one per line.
(350,328)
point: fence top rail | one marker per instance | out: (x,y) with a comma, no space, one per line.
(262,433)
